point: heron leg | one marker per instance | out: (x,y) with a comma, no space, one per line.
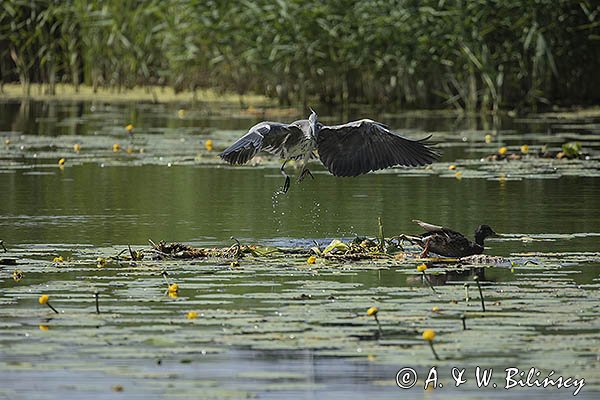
(286,184)
(303,174)
(305,169)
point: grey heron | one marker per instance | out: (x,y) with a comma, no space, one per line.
(349,149)
(447,242)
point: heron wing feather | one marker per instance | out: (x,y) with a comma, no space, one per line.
(272,137)
(362,146)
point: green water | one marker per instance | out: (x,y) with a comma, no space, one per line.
(276,327)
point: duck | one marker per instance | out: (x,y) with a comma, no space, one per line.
(447,242)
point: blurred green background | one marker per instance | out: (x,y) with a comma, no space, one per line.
(472,55)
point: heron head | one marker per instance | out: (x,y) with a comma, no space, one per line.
(312,120)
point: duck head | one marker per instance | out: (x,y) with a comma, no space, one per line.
(483,232)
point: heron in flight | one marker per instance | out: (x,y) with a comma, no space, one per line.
(350,149)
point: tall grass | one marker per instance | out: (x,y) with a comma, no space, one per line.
(468,54)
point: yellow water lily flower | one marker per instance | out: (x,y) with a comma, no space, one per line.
(61,161)
(43,327)
(76,147)
(208,145)
(421,267)
(181,113)
(173,288)
(502,151)
(458,175)
(311,260)
(58,259)
(488,138)
(100,262)
(116,147)
(192,315)
(44,299)
(435,309)
(452,167)
(129,128)
(524,149)
(428,334)
(372,311)
(17,275)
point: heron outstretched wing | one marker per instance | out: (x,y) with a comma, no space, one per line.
(273,137)
(361,146)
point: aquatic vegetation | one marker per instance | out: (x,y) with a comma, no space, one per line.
(173,288)
(429,335)
(372,312)
(192,315)
(476,279)
(17,275)
(257,300)
(571,150)
(422,268)
(44,300)
(281,306)
(467,57)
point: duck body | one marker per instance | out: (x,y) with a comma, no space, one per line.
(449,243)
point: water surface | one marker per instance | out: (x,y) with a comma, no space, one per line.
(277,327)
